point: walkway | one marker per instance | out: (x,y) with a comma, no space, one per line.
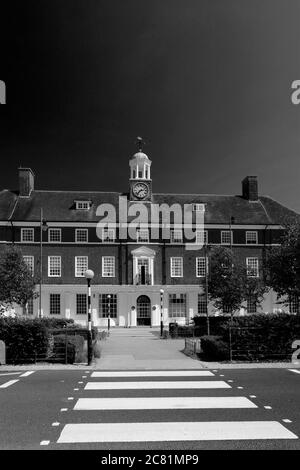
(140,349)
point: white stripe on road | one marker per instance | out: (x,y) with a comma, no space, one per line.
(297,371)
(162,403)
(9,383)
(155,385)
(11,373)
(155,373)
(27,373)
(175,431)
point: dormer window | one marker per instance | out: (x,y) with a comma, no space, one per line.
(83,205)
(199,207)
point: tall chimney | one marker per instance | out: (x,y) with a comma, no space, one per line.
(250,188)
(26,181)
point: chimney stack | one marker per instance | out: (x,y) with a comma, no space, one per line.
(26,181)
(250,188)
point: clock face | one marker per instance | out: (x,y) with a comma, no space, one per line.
(140,190)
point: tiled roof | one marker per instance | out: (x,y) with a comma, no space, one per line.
(58,206)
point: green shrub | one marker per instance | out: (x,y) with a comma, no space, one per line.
(217,325)
(26,340)
(214,348)
(57,323)
(260,337)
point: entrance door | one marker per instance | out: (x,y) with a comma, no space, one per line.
(143,316)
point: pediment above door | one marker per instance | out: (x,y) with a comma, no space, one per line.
(143,251)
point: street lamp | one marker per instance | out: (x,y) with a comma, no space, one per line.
(89,274)
(161,312)
(108,308)
(206,288)
(43,228)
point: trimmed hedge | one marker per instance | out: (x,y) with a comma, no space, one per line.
(214,348)
(29,340)
(26,340)
(259,337)
(217,325)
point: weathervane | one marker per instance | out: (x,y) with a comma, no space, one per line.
(140,143)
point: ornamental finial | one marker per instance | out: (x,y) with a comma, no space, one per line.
(140,143)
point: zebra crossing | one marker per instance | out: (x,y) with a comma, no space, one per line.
(114,407)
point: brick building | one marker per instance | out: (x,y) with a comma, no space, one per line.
(131,271)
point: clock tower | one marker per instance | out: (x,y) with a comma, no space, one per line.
(140,177)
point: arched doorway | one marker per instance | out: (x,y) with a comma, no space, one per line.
(143,311)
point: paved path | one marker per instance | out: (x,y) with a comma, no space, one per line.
(142,348)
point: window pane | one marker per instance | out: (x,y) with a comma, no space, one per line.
(81,235)
(176,267)
(54,304)
(27,234)
(142,235)
(81,265)
(29,260)
(108,266)
(202,305)
(54,235)
(54,266)
(226,237)
(252,267)
(108,305)
(81,304)
(200,267)
(177,305)
(251,238)
(108,235)
(176,236)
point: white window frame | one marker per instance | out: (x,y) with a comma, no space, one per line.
(249,267)
(201,234)
(51,230)
(29,261)
(105,272)
(81,296)
(111,239)
(79,272)
(198,207)
(173,266)
(174,238)
(50,258)
(28,230)
(85,230)
(201,263)
(56,294)
(83,205)
(143,239)
(249,234)
(222,233)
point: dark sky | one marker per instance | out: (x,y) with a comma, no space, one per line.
(206,82)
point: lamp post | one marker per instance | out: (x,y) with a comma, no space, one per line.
(108,308)
(89,274)
(43,228)
(206,288)
(161,311)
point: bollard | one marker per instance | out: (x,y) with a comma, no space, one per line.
(2,353)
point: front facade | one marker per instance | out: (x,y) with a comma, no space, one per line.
(145,268)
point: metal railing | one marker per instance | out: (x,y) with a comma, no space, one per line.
(143,279)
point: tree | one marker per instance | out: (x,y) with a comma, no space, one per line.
(283,265)
(17,285)
(229,285)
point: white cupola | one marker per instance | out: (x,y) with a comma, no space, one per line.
(140,164)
